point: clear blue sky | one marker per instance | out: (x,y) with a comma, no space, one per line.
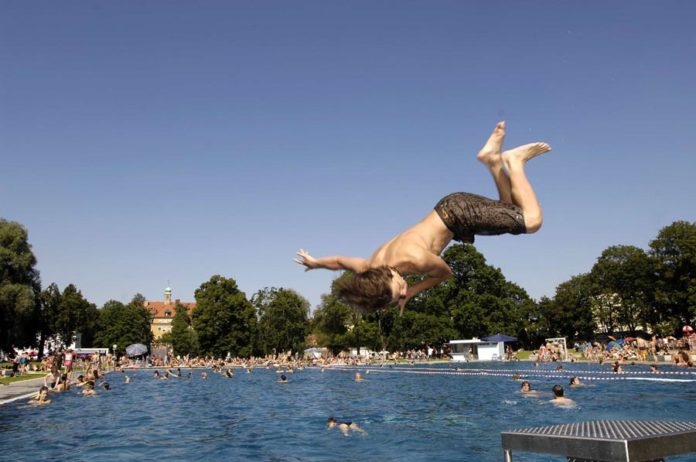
(146,142)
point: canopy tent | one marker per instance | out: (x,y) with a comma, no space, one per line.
(499,338)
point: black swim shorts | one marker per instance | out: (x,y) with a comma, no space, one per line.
(467,214)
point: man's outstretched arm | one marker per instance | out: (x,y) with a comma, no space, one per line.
(355,264)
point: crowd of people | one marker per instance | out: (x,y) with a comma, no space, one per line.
(675,350)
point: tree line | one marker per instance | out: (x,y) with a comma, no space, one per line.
(627,290)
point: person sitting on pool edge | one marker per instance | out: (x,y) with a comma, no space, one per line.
(379,280)
(331,423)
(558,397)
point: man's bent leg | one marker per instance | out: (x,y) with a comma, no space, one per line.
(523,194)
(490,156)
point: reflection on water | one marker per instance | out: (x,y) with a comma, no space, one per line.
(407,416)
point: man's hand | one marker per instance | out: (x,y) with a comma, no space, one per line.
(306,260)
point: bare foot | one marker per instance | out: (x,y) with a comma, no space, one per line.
(490,152)
(521,154)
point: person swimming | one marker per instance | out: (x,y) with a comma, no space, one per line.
(89,388)
(41,396)
(358,377)
(283,379)
(558,397)
(526,389)
(345,427)
(574,382)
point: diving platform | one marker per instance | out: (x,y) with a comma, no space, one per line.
(605,440)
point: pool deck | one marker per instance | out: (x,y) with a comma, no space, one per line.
(19,390)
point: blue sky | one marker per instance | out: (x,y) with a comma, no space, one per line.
(147,142)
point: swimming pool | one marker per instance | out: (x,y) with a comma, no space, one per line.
(410,413)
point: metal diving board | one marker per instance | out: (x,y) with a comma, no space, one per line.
(605,440)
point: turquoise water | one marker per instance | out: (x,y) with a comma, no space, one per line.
(409,413)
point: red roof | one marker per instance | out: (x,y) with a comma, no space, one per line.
(159,309)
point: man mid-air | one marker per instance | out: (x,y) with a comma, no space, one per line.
(378,281)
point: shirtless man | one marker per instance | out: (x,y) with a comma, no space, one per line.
(559,399)
(378,280)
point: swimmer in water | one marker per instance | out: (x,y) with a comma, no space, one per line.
(345,427)
(378,281)
(526,389)
(127,379)
(358,377)
(229,374)
(559,399)
(41,396)
(283,379)
(575,382)
(204,375)
(156,375)
(89,389)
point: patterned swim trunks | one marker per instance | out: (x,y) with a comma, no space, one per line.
(467,214)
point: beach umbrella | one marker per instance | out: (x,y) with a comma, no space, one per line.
(136,349)
(499,338)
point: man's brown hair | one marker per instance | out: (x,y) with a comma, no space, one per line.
(368,291)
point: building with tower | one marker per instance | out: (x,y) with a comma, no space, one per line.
(163,313)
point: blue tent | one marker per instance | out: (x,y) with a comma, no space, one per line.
(499,338)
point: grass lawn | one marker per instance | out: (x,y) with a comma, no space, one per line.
(6,380)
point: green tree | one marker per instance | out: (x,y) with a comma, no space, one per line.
(224,319)
(570,313)
(623,284)
(183,338)
(673,253)
(476,301)
(74,315)
(283,320)
(332,318)
(20,287)
(123,325)
(50,299)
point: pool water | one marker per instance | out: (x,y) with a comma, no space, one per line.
(410,413)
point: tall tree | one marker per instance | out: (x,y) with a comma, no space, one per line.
(623,279)
(332,318)
(570,314)
(674,256)
(123,325)
(50,299)
(283,322)
(476,301)
(74,315)
(20,286)
(224,319)
(183,337)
